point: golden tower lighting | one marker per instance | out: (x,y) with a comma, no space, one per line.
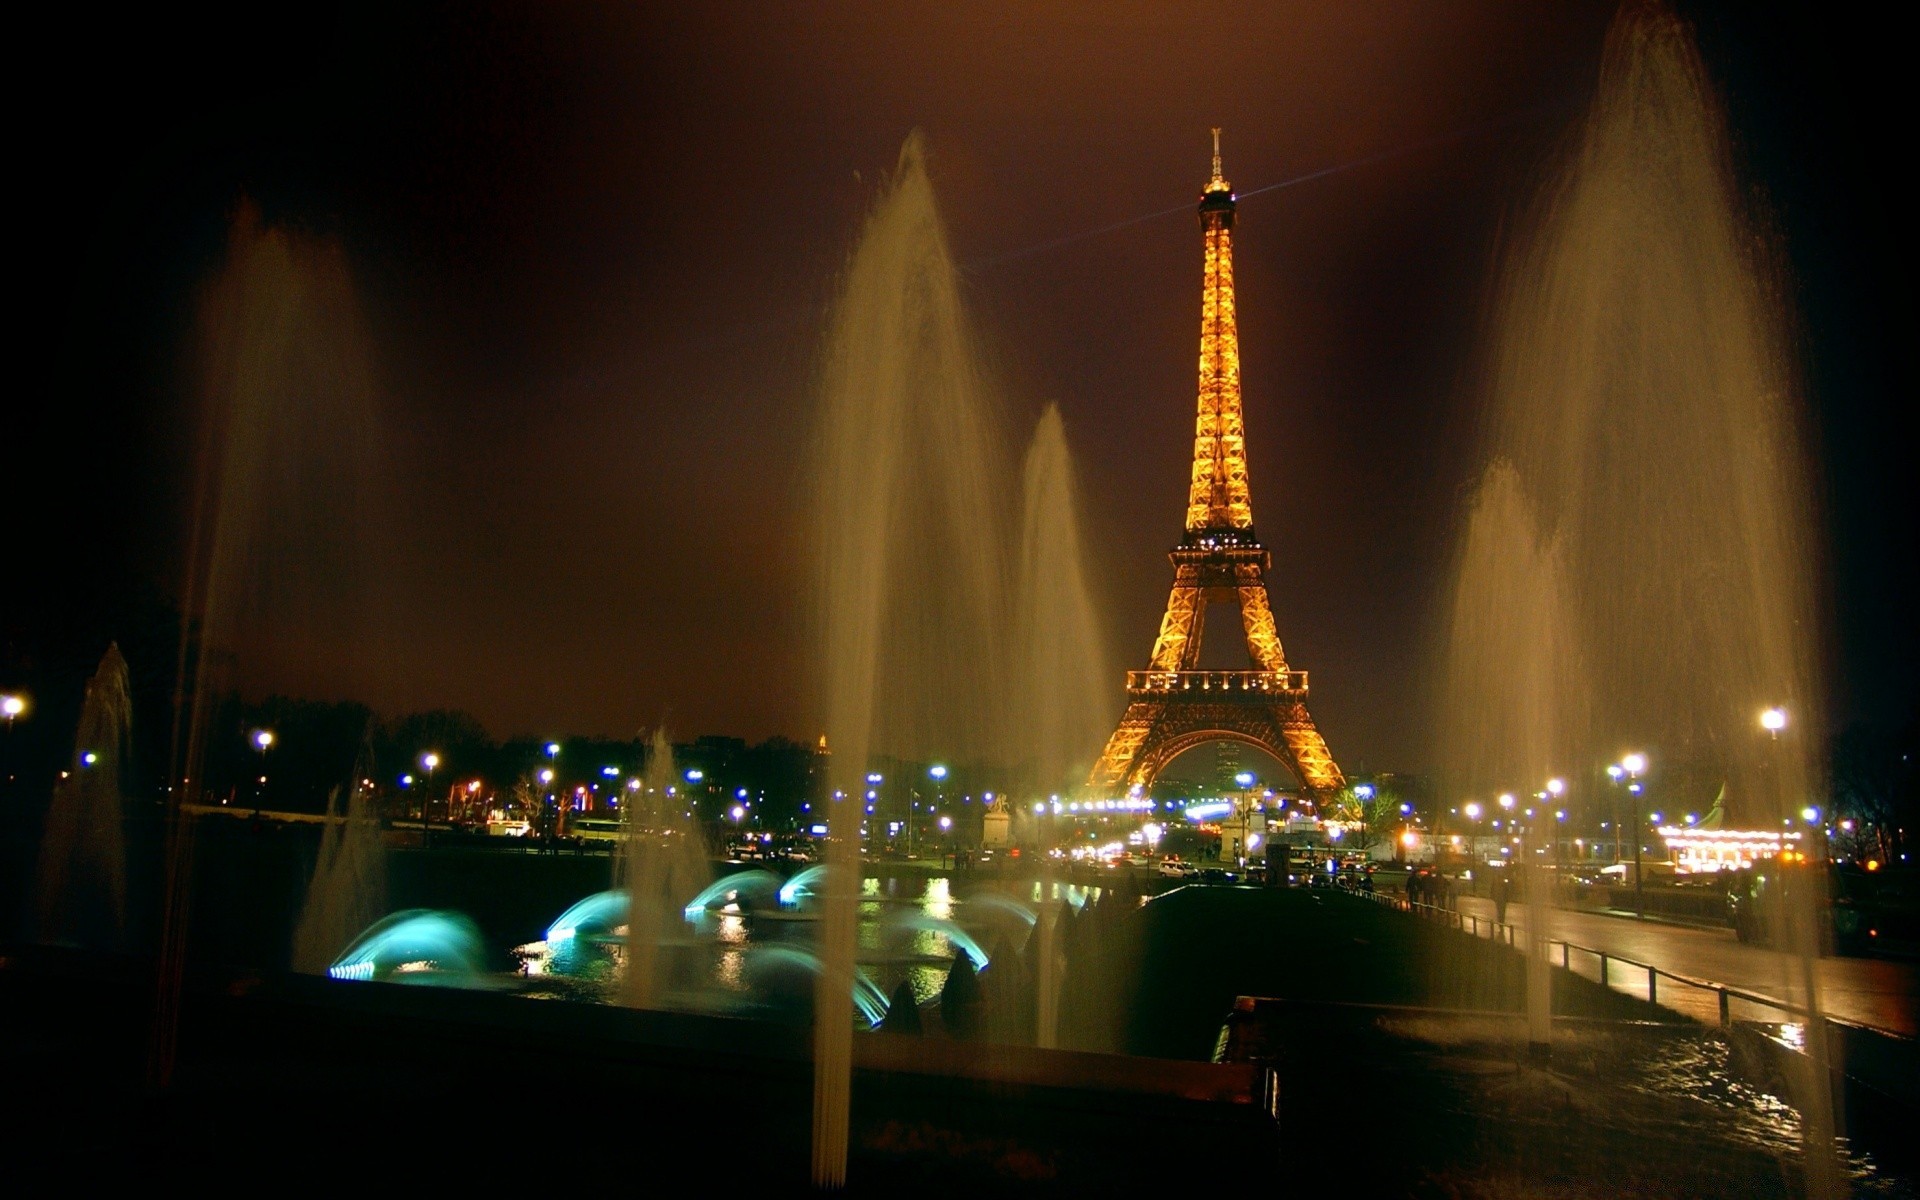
(1173,705)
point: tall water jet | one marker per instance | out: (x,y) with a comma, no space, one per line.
(1063,686)
(1644,392)
(1062,678)
(911,587)
(1511,645)
(348,889)
(83,867)
(289,516)
(661,864)
(286,528)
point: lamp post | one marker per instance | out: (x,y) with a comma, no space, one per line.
(1472,812)
(262,740)
(1615,773)
(429,760)
(1556,788)
(939,775)
(1633,764)
(1363,792)
(11,706)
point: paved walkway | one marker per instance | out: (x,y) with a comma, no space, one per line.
(1877,992)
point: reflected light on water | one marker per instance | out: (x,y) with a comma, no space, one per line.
(939,898)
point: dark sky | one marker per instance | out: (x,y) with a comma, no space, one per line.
(593,246)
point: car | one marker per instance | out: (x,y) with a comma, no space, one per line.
(1174,868)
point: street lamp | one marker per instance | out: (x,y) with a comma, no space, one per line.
(262,740)
(939,775)
(1556,788)
(1773,720)
(1615,773)
(11,706)
(1472,812)
(429,760)
(1363,792)
(1633,764)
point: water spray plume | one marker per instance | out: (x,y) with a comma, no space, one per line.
(1639,558)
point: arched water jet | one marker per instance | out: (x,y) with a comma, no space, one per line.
(597,915)
(415,945)
(958,937)
(864,996)
(1004,905)
(802,885)
(730,888)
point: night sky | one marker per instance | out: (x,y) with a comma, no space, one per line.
(594,247)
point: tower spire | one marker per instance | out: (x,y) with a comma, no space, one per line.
(1218,498)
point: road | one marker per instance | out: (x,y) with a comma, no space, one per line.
(1877,992)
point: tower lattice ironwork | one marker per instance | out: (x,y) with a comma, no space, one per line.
(1173,705)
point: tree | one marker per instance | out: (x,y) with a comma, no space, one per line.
(1874,787)
(1371,804)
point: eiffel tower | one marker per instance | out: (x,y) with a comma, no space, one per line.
(1172,706)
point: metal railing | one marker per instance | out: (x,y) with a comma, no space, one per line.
(1503,931)
(1217,681)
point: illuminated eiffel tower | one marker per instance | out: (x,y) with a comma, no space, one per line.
(1172,706)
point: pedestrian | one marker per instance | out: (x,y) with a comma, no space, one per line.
(1502,892)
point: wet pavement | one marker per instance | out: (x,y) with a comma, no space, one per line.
(1877,992)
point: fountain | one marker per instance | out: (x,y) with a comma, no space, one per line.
(911,585)
(288,522)
(661,862)
(349,883)
(920,603)
(596,916)
(961,940)
(290,518)
(1066,680)
(83,868)
(739,888)
(801,886)
(1064,687)
(1637,571)
(772,969)
(415,945)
